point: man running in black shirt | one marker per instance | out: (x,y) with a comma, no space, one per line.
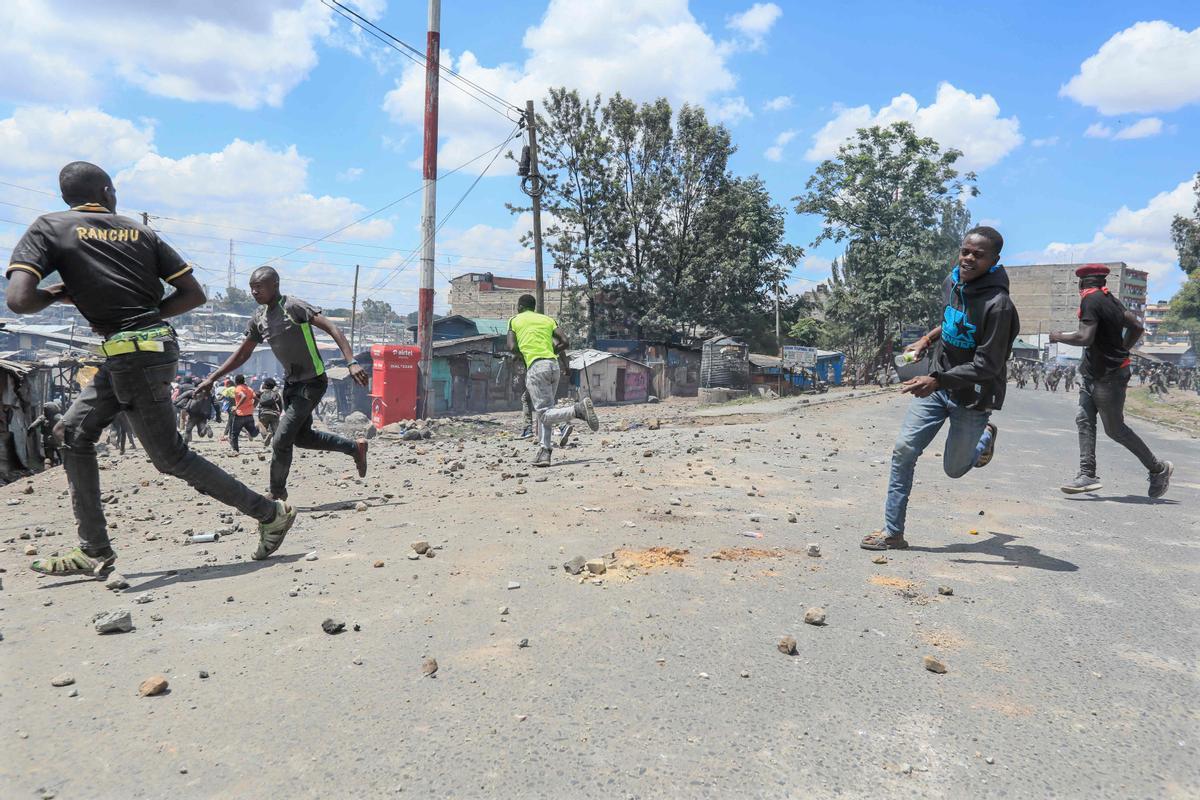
(286,323)
(113,269)
(1107,332)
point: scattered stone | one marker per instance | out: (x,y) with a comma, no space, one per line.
(311,556)
(596,566)
(815,616)
(73,693)
(933,665)
(793,518)
(514,585)
(906,769)
(203,674)
(429,667)
(378,564)
(814,550)
(430,553)
(155,684)
(332,627)
(744,673)
(421,547)
(787,645)
(946,590)
(504,611)
(31,551)
(414,557)
(523,643)
(116,581)
(360,506)
(704,675)
(879,560)
(575,565)
(66,679)
(989,759)
(119,621)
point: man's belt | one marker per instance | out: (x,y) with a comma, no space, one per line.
(148,340)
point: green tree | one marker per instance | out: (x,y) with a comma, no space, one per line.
(377,312)
(893,197)
(1184,311)
(807,331)
(235,301)
(1185,232)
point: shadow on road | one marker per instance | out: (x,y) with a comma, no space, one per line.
(162,578)
(1134,499)
(1021,555)
(348,505)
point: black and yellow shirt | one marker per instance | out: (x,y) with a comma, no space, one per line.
(286,325)
(113,267)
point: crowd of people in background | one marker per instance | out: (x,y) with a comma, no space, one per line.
(238,401)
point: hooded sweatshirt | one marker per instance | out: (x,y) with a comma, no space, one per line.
(979,324)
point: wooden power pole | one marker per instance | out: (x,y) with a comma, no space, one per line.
(354,309)
(532,185)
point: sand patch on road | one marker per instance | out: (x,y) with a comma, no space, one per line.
(654,557)
(893,583)
(945,638)
(745,554)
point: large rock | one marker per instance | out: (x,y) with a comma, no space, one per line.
(575,565)
(357,419)
(119,621)
(155,684)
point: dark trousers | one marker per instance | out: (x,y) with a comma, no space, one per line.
(238,424)
(139,384)
(195,423)
(1106,398)
(296,430)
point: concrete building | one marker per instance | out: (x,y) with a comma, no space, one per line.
(483,295)
(1047,295)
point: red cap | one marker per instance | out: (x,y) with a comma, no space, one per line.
(1088,270)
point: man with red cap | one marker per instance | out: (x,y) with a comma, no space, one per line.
(1107,332)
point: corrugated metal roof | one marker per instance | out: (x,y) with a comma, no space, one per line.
(490,326)
(582,359)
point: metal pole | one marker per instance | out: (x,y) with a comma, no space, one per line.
(778,345)
(535,183)
(429,211)
(354,309)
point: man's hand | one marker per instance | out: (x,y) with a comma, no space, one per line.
(920,386)
(359,374)
(1054,338)
(204,386)
(918,347)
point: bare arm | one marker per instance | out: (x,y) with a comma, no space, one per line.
(356,371)
(239,357)
(188,294)
(925,342)
(1080,338)
(24,297)
(1133,330)
(560,342)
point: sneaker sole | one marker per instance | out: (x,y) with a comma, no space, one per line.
(985,458)
(1091,487)
(265,547)
(589,414)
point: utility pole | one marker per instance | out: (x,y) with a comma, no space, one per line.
(778,344)
(533,185)
(354,309)
(433,43)
(231,279)
(146,218)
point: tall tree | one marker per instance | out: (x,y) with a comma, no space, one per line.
(893,197)
(1184,312)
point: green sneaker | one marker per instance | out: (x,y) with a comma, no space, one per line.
(585,411)
(270,534)
(75,562)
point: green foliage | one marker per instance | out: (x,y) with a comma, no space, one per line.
(234,301)
(893,198)
(377,312)
(660,237)
(1185,232)
(807,332)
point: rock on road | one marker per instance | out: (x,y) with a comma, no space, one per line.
(1069,639)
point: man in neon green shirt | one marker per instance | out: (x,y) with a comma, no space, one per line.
(535,337)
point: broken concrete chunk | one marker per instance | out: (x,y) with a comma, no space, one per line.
(815,616)
(575,565)
(596,566)
(420,546)
(933,665)
(787,645)
(119,621)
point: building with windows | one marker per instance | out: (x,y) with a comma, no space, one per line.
(1047,295)
(482,295)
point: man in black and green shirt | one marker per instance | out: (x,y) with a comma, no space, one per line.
(114,270)
(286,323)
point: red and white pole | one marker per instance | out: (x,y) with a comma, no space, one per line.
(433,45)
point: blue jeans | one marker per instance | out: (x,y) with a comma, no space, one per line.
(925,418)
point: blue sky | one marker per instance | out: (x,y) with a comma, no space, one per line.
(274,122)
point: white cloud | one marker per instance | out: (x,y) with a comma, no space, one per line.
(732,110)
(956,118)
(1048,141)
(1149,66)
(644,50)
(755,23)
(37,139)
(1141,237)
(248,54)
(1142,129)
(775,151)
(779,103)
(350,175)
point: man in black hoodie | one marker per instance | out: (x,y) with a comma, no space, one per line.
(969,358)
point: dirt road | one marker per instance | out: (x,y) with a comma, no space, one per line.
(1069,638)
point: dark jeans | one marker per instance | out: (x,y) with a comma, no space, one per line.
(241,423)
(296,430)
(139,384)
(1106,398)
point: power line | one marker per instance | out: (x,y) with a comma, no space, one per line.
(28,189)
(490,100)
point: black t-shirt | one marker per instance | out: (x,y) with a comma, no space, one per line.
(112,266)
(1106,353)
